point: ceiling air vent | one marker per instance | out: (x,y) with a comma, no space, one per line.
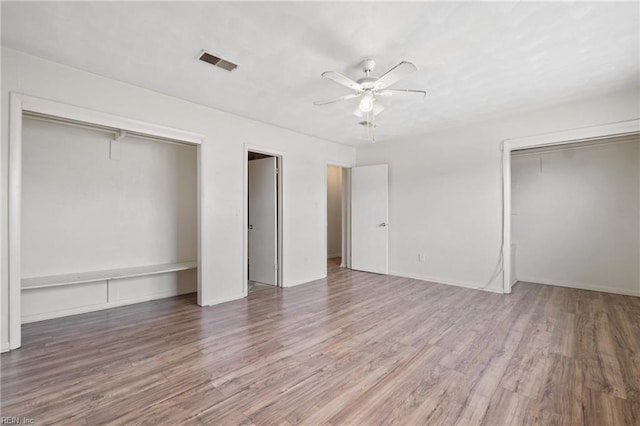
(218,62)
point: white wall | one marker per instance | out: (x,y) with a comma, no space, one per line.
(445,188)
(82,211)
(334,211)
(222,165)
(575,216)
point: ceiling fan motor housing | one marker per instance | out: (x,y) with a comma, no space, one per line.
(367,83)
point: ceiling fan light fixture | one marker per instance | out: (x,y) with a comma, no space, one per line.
(366,104)
(377,108)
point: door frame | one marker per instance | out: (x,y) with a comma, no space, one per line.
(622,128)
(280,217)
(19,104)
(346,213)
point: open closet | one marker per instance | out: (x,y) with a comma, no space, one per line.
(575,215)
(108,217)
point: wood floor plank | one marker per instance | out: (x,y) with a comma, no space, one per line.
(507,408)
(563,387)
(354,348)
(398,392)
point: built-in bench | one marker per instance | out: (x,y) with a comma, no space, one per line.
(109,274)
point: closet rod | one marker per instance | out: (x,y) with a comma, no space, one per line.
(72,123)
(96,127)
(157,139)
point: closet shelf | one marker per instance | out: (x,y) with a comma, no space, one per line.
(110,274)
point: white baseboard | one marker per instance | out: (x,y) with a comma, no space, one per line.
(579,286)
(91,308)
(5,347)
(288,284)
(223,300)
(421,278)
(447,282)
(295,283)
(515,280)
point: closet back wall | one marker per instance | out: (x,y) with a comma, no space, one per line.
(83,211)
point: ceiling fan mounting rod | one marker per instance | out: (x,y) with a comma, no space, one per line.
(367,66)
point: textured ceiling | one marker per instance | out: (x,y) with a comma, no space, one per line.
(475,60)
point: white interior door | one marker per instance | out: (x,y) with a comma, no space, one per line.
(369,218)
(263,219)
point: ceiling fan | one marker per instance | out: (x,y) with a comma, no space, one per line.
(370,88)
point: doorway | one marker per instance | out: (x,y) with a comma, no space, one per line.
(337,220)
(263,225)
(359,197)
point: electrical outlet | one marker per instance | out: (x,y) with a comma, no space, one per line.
(420,257)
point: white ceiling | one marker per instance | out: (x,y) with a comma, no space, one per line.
(476,60)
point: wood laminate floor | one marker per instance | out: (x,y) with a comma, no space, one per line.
(354,349)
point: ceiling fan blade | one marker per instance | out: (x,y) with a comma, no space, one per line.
(401,92)
(338,99)
(394,75)
(342,80)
